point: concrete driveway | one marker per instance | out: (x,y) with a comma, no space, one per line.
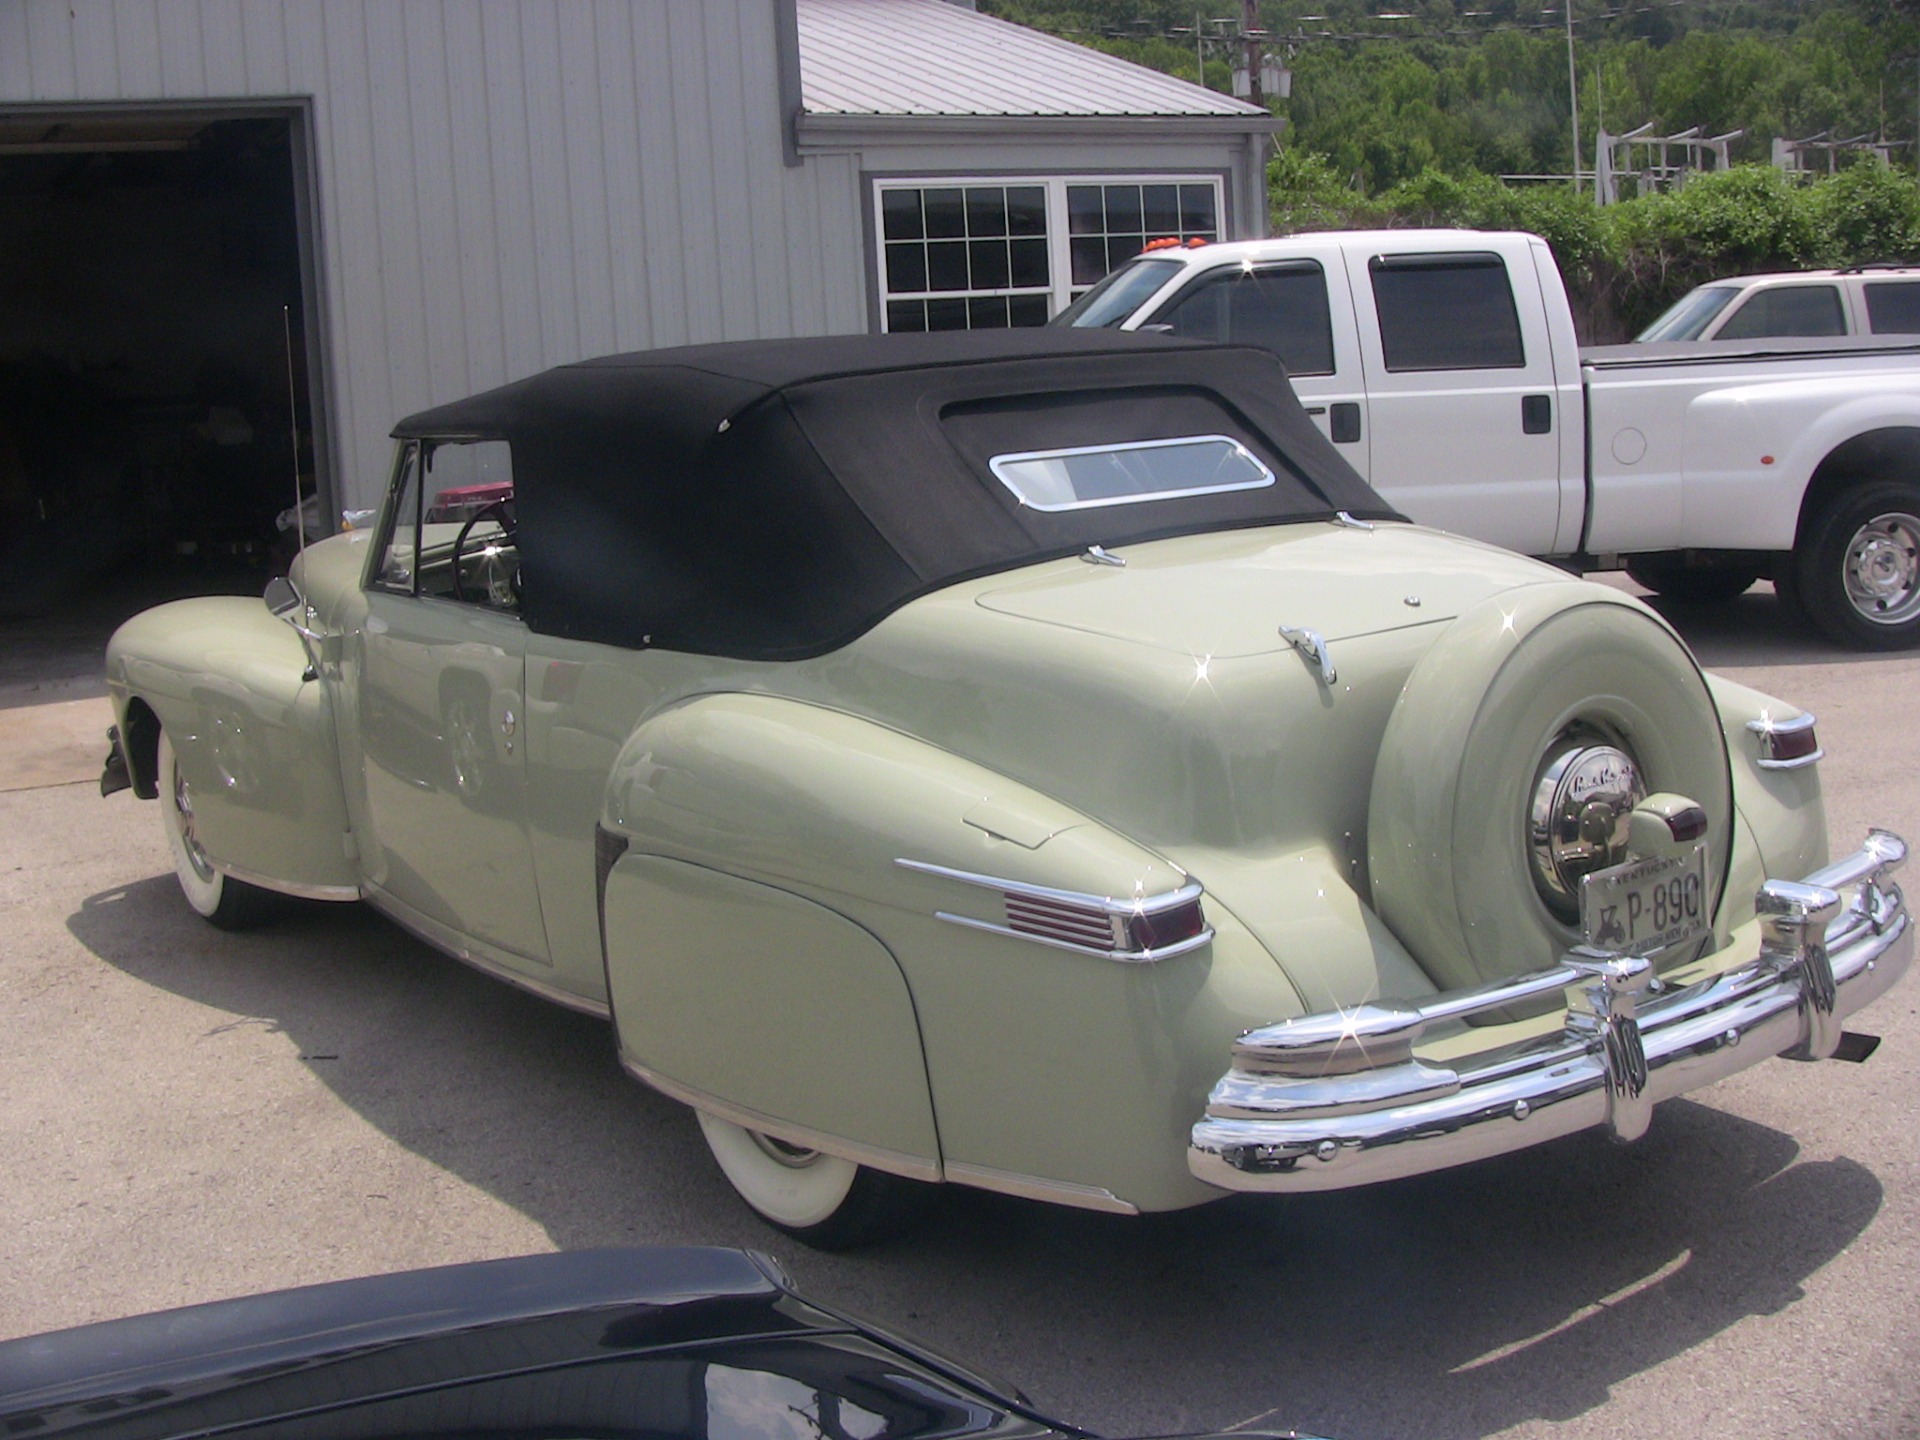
(186,1115)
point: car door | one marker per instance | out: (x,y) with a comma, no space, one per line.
(440,707)
(1299,308)
(1461,391)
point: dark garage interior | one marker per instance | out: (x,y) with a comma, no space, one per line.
(151,309)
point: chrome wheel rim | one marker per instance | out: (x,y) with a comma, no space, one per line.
(794,1157)
(1883,569)
(191,848)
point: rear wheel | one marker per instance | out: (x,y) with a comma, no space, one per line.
(1858,570)
(820,1199)
(216,897)
(1709,583)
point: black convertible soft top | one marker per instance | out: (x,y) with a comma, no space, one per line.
(775,499)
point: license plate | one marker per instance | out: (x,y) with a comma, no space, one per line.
(1645,906)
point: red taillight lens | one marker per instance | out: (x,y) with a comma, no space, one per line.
(1786,744)
(1165,927)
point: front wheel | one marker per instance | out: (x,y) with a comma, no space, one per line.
(216,897)
(1858,571)
(819,1199)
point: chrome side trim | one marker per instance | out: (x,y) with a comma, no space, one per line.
(1765,729)
(894,1162)
(1142,905)
(1032,1187)
(1340,1099)
(1114,908)
(1124,957)
(463,948)
(287,887)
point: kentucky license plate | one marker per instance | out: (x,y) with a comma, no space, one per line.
(1645,906)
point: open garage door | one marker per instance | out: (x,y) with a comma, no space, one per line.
(153,302)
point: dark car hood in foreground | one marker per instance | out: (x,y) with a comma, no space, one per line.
(657,1342)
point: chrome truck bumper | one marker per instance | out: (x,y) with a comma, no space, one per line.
(1339,1099)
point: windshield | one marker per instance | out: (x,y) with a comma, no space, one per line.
(1108,305)
(1689,315)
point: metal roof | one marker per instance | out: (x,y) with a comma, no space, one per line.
(934,58)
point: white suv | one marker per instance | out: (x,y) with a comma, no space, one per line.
(1863,300)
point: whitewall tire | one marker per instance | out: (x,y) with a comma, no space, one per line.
(822,1200)
(217,898)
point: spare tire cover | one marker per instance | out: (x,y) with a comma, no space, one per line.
(1448,842)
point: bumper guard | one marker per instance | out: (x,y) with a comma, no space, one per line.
(1339,1099)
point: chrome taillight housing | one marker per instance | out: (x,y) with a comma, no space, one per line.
(1786,744)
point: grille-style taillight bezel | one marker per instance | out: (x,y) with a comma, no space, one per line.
(1790,744)
(1134,929)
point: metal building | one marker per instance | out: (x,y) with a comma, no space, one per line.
(371,206)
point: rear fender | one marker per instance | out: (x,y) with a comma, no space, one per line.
(771,959)
(254,736)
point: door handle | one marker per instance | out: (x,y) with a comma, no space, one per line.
(1536,414)
(1344,422)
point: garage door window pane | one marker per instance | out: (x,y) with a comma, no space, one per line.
(943,247)
(1452,312)
(900,215)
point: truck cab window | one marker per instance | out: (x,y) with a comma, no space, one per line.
(1282,308)
(1446,312)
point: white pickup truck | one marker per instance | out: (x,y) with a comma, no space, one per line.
(1444,365)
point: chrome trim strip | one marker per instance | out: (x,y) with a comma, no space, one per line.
(287,887)
(459,947)
(894,1162)
(1339,1099)
(1765,729)
(1143,905)
(1032,1187)
(1124,957)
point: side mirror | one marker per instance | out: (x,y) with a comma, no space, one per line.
(281,598)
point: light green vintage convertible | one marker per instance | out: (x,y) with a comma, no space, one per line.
(1028,760)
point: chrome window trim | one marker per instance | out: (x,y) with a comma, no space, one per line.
(998,465)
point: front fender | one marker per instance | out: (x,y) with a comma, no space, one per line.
(255,740)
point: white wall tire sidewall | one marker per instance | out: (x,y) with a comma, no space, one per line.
(793,1197)
(203,892)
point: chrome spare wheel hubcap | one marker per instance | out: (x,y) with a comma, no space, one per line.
(183,817)
(1583,798)
(1883,569)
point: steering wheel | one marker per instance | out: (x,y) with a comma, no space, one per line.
(498,513)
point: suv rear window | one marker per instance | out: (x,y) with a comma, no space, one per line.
(1446,312)
(1893,307)
(1787,312)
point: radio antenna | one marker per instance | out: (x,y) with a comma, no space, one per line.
(293,428)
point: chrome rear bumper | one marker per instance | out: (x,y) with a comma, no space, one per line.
(1339,1099)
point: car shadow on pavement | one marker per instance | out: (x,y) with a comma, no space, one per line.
(1756,628)
(1519,1290)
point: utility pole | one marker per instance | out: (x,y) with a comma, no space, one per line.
(1573,97)
(1254,38)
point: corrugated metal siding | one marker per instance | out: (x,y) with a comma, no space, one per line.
(928,57)
(503,185)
